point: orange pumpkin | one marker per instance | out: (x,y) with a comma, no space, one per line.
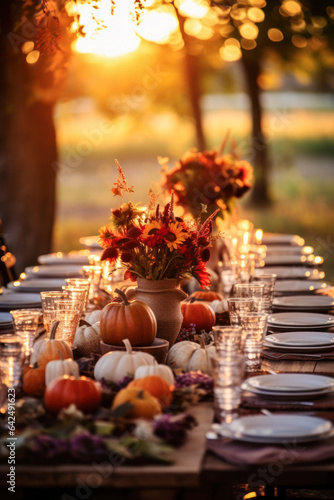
(144,405)
(198,313)
(207,296)
(49,349)
(156,386)
(33,382)
(84,392)
(128,320)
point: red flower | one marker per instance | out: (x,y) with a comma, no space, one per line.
(134,232)
(205,255)
(110,254)
(126,257)
(129,275)
(202,275)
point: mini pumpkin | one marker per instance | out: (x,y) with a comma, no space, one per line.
(93,317)
(157,387)
(59,367)
(64,391)
(33,381)
(190,356)
(87,339)
(116,365)
(162,371)
(133,320)
(219,306)
(207,296)
(48,349)
(143,404)
(198,313)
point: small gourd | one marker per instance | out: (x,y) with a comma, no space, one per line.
(162,371)
(87,339)
(59,367)
(190,356)
(49,349)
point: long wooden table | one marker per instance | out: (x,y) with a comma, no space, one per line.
(193,471)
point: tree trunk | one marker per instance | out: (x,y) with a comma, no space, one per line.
(260,158)
(27,153)
(192,76)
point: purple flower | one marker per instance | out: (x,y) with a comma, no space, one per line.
(123,383)
(85,446)
(48,447)
(173,429)
(201,380)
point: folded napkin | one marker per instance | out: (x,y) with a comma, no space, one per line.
(242,453)
(296,356)
(252,401)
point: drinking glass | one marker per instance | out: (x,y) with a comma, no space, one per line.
(268,281)
(254,326)
(48,307)
(248,290)
(11,357)
(93,274)
(67,312)
(25,326)
(228,374)
(227,339)
(78,294)
(236,305)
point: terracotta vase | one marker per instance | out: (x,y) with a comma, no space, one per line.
(164,298)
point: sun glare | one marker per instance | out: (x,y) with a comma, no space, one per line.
(106,34)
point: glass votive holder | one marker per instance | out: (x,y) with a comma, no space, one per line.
(228,374)
(254,327)
(68,313)
(268,281)
(48,307)
(93,273)
(11,358)
(227,339)
(237,305)
(25,326)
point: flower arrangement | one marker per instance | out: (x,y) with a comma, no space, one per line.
(208,178)
(152,242)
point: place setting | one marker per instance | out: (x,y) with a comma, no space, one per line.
(54,271)
(80,257)
(294,321)
(300,287)
(314,303)
(36,285)
(290,273)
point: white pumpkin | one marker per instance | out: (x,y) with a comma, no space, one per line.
(219,306)
(190,356)
(93,317)
(59,367)
(162,371)
(116,365)
(87,339)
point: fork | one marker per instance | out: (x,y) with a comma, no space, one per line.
(291,354)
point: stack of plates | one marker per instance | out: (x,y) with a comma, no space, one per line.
(297,386)
(301,342)
(5,321)
(292,321)
(282,239)
(297,272)
(289,250)
(80,258)
(304,303)
(59,271)
(13,300)
(277,429)
(294,287)
(36,286)
(289,260)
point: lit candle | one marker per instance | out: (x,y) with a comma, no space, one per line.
(258,236)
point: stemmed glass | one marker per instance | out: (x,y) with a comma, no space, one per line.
(25,326)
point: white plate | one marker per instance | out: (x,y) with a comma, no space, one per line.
(287,396)
(90,242)
(281,260)
(301,339)
(278,428)
(288,250)
(64,258)
(299,319)
(291,382)
(297,272)
(33,285)
(300,349)
(59,271)
(5,319)
(14,300)
(299,286)
(282,239)
(304,302)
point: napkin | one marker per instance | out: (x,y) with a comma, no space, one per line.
(242,453)
(255,402)
(277,355)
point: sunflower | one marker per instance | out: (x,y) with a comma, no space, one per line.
(176,236)
(151,229)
